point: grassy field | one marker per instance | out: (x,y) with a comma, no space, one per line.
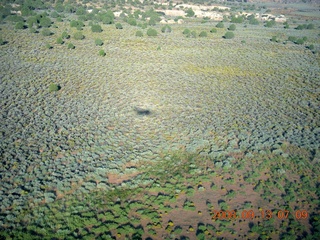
(166,137)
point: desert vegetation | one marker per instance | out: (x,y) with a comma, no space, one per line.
(143,120)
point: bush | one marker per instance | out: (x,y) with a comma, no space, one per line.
(235,19)
(310,26)
(232,27)
(54,14)
(292,39)
(59,40)
(54,87)
(98,42)
(203,34)
(96,28)
(253,21)
(65,35)
(193,34)
(166,29)
(2,42)
(229,35)
(119,26)
(132,21)
(270,23)
(213,30)
(48,46)
(151,32)
(139,34)
(19,25)
(78,36)
(32,21)
(46,32)
(71,46)
(186,31)
(45,22)
(220,25)
(102,53)
(33,30)
(274,39)
(189,12)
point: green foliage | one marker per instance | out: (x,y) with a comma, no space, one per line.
(186,31)
(213,30)
(305,26)
(54,87)
(238,19)
(102,53)
(274,39)
(19,25)
(80,10)
(189,12)
(152,22)
(65,35)
(33,30)
(48,46)
(71,46)
(166,29)
(139,34)
(78,36)
(228,35)
(46,32)
(132,21)
(26,11)
(98,42)
(54,14)
(119,26)
(59,40)
(311,47)
(151,32)
(203,34)
(270,24)
(77,24)
(59,7)
(232,27)
(220,25)
(254,21)
(96,28)
(45,22)
(2,42)
(15,18)
(292,38)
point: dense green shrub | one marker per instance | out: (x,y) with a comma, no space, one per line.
(220,25)
(228,35)
(80,10)
(59,7)
(19,25)
(203,34)
(78,36)
(238,19)
(232,27)
(98,42)
(270,23)
(96,28)
(151,32)
(119,26)
(59,40)
(46,32)
(132,21)
(33,30)
(305,26)
(139,34)
(54,87)
(65,35)
(166,29)
(152,22)
(193,34)
(2,42)
(32,21)
(254,21)
(48,46)
(274,39)
(15,18)
(77,24)
(213,30)
(189,12)
(54,14)
(186,31)
(45,22)
(71,46)
(292,38)
(311,47)
(102,53)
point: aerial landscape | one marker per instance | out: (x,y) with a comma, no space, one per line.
(142,119)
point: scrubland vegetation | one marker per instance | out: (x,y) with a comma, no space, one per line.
(119,124)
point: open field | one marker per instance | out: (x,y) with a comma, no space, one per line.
(165,137)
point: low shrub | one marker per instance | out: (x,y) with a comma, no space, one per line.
(71,46)
(213,30)
(96,28)
(19,25)
(220,25)
(98,42)
(65,35)
(78,36)
(186,31)
(33,30)
(119,26)
(102,53)
(203,34)
(48,46)
(46,32)
(59,40)
(139,34)
(232,27)
(270,23)
(54,87)
(132,21)
(166,29)
(228,35)
(151,32)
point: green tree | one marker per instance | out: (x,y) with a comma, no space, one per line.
(213,30)
(65,35)
(186,31)
(270,23)
(71,46)
(45,22)
(253,21)
(102,53)
(166,29)
(189,12)
(132,21)
(151,32)
(59,40)
(238,19)
(96,28)
(46,32)
(54,87)
(229,35)
(81,10)
(19,25)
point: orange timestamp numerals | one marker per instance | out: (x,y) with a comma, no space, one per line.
(264,214)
